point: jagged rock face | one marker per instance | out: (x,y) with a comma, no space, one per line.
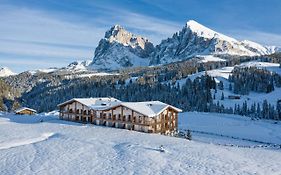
(120,48)
(196,39)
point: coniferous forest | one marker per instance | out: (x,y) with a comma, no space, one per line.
(168,83)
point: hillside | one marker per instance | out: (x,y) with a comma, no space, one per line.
(222,74)
(28,146)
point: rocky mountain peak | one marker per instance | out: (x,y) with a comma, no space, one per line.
(114,31)
(120,48)
(120,35)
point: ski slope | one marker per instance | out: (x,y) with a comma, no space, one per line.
(73,148)
(230,125)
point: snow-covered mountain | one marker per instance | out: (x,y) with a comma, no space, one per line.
(196,39)
(74,67)
(120,48)
(5,72)
(77,66)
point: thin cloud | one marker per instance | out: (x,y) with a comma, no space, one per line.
(29,49)
(155,29)
(32,33)
(32,25)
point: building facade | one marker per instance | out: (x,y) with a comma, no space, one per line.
(150,116)
(25,111)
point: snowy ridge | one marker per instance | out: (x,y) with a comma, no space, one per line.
(206,32)
(5,72)
(255,47)
(78,66)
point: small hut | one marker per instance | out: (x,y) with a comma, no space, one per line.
(25,111)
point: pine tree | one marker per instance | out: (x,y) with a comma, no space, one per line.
(265,110)
(16,105)
(222,96)
(188,135)
(278,109)
(220,85)
(230,87)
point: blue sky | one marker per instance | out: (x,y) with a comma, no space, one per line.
(52,33)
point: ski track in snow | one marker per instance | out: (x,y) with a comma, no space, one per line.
(16,143)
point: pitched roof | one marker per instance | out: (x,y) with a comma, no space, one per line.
(25,108)
(149,108)
(96,103)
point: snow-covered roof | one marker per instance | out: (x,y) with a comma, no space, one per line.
(25,108)
(149,108)
(101,103)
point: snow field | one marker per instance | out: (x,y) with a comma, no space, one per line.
(88,149)
(232,126)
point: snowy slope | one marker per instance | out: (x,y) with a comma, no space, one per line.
(60,147)
(230,125)
(222,74)
(5,72)
(209,58)
(253,97)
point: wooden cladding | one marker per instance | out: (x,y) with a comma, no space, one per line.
(121,117)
